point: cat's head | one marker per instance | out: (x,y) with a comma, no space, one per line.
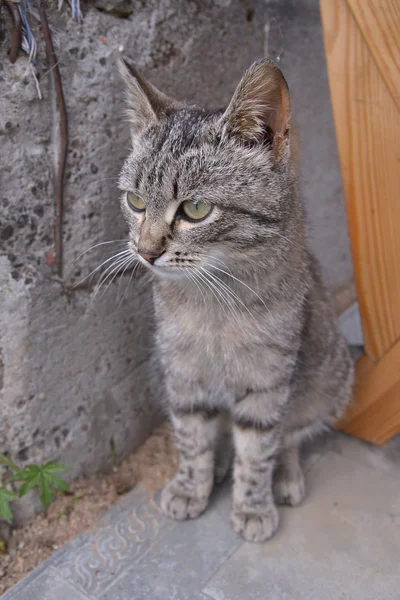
(208,189)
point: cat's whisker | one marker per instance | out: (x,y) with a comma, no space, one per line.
(115,268)
(239,281)
(221,295)
(232,299)
(218,283)
(219,260)
(129,282)
(213,290)
(278,234)
(117,272)
(110,269)
(96,246)
(104,287)
(122,270)
(134,264)
(114,179)
(133,260)
(229,291)
(116,265)
(192,277)
(230,272)
(144,280)
(123,252)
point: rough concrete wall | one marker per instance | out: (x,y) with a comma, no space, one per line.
(75,373)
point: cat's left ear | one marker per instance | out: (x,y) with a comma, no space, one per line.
(146,104)
(259,112)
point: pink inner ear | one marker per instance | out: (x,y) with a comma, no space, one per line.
(260,107)
(279,110)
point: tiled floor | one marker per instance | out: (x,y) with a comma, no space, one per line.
(342,543)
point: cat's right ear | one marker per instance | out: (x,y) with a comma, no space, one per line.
(146,104)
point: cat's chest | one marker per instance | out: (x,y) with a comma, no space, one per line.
(227,349)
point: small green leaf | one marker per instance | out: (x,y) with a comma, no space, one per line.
(54,467)
(27,473)
(45,492)
(44,477)
(58,483)
(6,496)
(8,463)
(29,485)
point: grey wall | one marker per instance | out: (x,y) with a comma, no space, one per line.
(74,374)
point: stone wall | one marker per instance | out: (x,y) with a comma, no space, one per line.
(74,372)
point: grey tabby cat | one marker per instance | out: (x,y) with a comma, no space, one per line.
(245,332)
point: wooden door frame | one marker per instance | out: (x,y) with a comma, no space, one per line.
(362,48)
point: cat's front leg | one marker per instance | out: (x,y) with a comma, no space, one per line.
(257,444)
(186,495)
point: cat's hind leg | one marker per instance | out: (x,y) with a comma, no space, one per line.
(289,485)
(224,451)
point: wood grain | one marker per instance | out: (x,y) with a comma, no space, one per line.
(379,22)
(362,44)
(375,412)
(367,123)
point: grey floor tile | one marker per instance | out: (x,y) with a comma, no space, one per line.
(342,543)
(182,561)
(384,458)
(46,585)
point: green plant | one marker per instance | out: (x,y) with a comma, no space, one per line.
(42,476)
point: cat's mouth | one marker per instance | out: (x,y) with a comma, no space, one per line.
(171,271)
(182,265)
(165,261)
(169,266)
(202,271)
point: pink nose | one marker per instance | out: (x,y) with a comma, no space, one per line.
(149,256)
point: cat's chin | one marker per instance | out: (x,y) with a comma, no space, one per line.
(169,273)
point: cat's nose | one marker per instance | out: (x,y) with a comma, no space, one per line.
(149,256)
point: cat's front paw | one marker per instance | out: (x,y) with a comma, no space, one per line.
(178,504)
(256,527)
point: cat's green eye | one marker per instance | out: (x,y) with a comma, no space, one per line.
(135,202)
(195,210)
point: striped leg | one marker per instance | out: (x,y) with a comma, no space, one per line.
(289,486)
(254,514)
(186,495)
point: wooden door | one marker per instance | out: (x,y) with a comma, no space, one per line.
(362,47)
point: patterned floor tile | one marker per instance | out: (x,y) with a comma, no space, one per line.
(183,560)
(122,539)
